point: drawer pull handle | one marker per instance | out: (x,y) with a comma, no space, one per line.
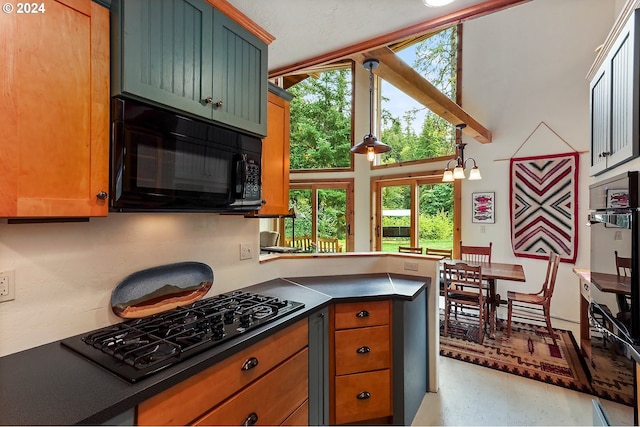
(250,363)
(251,419)
(362,313)
(363,395)
(363,350)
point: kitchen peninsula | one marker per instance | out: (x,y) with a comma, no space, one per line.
(52,385)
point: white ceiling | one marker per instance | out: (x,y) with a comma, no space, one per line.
(305,29)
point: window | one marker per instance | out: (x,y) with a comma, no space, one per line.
(321,120)
(415,212)
(412,130)
(324,214)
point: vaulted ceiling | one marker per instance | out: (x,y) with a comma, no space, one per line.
(311,33)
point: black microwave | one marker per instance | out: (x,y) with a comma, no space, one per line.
(162,161)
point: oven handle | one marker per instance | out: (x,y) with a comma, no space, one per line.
(622,220)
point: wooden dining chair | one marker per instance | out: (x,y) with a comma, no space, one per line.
(464,289)
(475,253)
(409,250)
(623,269)
(528,304)
(447,253)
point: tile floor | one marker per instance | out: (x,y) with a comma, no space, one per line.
(473,395)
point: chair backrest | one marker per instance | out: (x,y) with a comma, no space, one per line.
(447,253)
(475,253)
(463,280)
(409,250)
(328,245)
(269,238)
(623,265)
(303,242)
(550,278)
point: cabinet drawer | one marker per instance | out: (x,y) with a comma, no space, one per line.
(300,417)
(352,406)
(361,314)
(362,349)
(191,398)
(269,400)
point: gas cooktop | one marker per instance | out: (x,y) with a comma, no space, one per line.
(137,348)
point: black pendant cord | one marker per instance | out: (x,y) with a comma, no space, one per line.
(370,100)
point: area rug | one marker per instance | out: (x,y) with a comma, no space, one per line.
(530,353)
(618,388)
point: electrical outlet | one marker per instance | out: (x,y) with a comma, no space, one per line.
(618,235)
(411,266)
(246,251)
(483,229)
(7,285)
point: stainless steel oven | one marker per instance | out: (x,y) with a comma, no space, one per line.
(615,296)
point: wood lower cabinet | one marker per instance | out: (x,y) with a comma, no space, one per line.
(266,383)
(361,362)
(54,105)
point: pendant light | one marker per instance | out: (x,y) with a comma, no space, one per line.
(458,171)
(370,144)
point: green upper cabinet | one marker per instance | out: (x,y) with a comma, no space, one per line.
(239,76)
(188,56)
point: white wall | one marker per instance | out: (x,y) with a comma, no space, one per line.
(521,67)
(65,273)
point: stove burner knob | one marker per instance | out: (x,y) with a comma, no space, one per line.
(245,319)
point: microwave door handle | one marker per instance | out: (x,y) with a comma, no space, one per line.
(241,171)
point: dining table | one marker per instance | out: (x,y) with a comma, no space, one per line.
(492,272)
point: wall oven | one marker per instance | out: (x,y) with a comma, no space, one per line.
(614,309)
(165,161)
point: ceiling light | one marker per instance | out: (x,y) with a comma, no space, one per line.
(458,171)
(436,3)
(370,144)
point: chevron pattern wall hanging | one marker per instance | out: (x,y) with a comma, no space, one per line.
(544,206)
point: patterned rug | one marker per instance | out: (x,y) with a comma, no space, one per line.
(530,353)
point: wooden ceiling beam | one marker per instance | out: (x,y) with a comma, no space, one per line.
(438,23)
(398,73)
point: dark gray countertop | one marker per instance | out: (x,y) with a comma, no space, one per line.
(52,385)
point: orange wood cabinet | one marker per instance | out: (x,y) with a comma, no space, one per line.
(361,362)
(275,155)
(54,107)
(272,390)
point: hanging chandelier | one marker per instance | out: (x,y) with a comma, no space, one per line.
(370,144)
(460,165)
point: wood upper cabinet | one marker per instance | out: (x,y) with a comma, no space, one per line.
(275,155)
(188,56)
(615,101)
(54,105)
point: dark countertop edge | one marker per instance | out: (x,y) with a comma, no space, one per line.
(133,394)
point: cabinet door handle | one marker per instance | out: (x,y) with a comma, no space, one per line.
(102,195)
(363,395)
(251,419)
(362,313)
(604,154)
(250,363)
(363,350)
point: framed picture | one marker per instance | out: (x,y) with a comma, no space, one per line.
(618,198)
(483,208)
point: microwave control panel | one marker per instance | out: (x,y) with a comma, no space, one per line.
(252,183)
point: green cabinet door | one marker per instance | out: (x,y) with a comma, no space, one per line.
(186,55)
(239,76)
(165,52)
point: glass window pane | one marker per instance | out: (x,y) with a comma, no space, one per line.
(321,121)
(435,227)
(300,201)
(396,217)
(332,222)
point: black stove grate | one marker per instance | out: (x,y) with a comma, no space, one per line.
(137,348)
